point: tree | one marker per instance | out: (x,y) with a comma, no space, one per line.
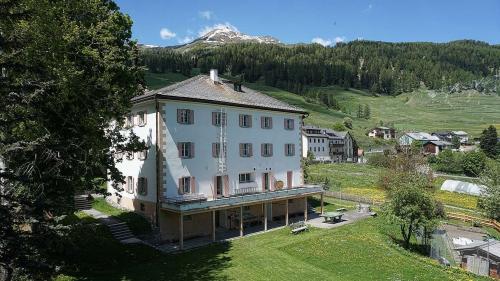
(473,163)
(69,69)
(489,139)
(360,113)
(455,141)
(367,112)
(489,201)
(348,122)
(412,208)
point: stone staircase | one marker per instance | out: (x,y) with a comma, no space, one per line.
(121,231)
(82,202)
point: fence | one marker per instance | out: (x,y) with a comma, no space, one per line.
(491,223)
(351,197)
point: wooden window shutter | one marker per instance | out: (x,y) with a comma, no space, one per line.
(180,188)
(226,185)
(262,149)
(179,149)
(270,122)
(285,123)
(214,189)
(262,122)
(263,183)
(214,118)
(293,149)
(193,185)
(286,149)
(179,113)
(241,150)
(292,124)
(250,154)
(191,152)
(191,116)
(214,149)
(270,149)
(249,121)
(241,120)
(145,191)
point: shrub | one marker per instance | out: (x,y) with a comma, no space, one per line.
(379,160)
(449,162)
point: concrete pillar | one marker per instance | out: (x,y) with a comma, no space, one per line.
(181,231)
(213,226)
(286,212)
(305,208)
(265,216)
(322,203)
(241,221)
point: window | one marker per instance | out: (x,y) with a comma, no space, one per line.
(245,177)
(186,149)
(266,149)
(246,150)
(219,118)
(130,155)
(143,207)
(142,186)
(142,155)
(216,149)
(187,218)
(130,185)
(142,117)
(129,121)
(266,122)
(289,124)
(310,139)
(314,140)
(245,121)
(185,116)
(186,185)
(323,148)
(315,149)
(322,140)
(289,149)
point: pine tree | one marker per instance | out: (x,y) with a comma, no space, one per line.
(367,112)
(489,139)
(360,111)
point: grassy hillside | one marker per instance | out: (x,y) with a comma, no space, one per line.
(422,110)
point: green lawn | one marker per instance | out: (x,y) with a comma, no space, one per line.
(360,251)
(137,224)
(362,180)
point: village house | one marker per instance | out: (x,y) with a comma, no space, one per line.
(329,145)
(448,136)
(434,147)
(420,137)
(220,158)
(382,133)
(481,257)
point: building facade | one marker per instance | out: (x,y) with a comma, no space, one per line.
(220,157)
(329,145)
(382,133)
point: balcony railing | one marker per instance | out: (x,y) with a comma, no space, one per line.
(239,199)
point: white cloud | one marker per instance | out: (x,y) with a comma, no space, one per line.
(206,14)
(321,41)
(166,34)
(225,25)
(367,9)
(339,39)
(185,40)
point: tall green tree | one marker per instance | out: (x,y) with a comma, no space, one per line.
(489,139)
(489,200)
(367,112)
(455,141)
(69,69)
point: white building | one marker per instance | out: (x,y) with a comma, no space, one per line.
(190,184)
(382,132)
(328,145)
(462,136)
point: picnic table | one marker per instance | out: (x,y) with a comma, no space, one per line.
(332,216)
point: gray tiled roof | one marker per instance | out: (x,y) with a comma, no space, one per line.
(202,89)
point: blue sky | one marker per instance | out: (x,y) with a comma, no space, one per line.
(171,22)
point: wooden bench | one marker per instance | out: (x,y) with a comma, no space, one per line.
(298,227)
(341,210)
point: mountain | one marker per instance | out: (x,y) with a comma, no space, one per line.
(230,35)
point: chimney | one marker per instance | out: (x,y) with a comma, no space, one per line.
(214,75)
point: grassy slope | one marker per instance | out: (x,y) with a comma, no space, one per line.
(422,110)
(360,251)
(137,224)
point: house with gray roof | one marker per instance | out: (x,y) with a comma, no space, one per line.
(421,137)
(220,158)
(328,145)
